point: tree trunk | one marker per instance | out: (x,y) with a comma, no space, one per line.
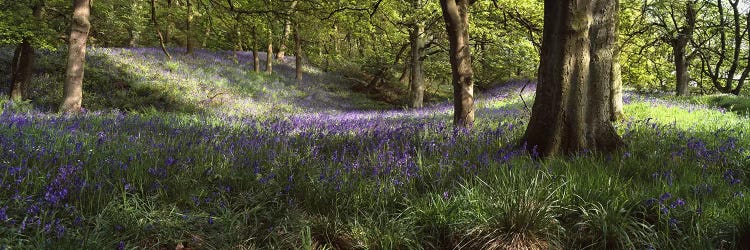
(681,68)
(158,30)
(23,61)
(456,15)
(170,23)
(269,52)
(188,31)
(73,88)
(132,38)
(298,54)
(206,35)
(572,108)
(21,68)
(287,30)
(256,58)
(405,74)
(617,112)
(617,108)
(416,38)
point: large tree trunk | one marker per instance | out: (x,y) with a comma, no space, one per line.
(287,31)
(416,38)
(73,88)
(456,15)
(158,30)
(23,60)
(188,32)
(572,108)
(256,57)
(298,54)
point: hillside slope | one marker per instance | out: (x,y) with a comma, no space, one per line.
(142,79)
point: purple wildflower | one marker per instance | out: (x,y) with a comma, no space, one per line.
(678,203)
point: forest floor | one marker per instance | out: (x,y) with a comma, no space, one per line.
(177,153)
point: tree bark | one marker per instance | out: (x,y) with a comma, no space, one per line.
(206,35)
(23,61)
(269,52)
(158,30)
(73,88)
(21,68)
(681,68)
(188,32)
(416,38)
(287,30)
(456,15)
(256,57)
(132,38)
(572,108)
(298,54)
(616,95)
(170,22)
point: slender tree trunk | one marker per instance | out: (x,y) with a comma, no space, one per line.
(170,23)
(269,52)
(417,52)
(298,53)
(158,30)
(206,35)
(21,68)
(287,30)
(73,88)
(456,15)
(405,74)
(188,32)
(681,68)
(572,108)
(335,40)
(132,38)
(23,61)
(256,57)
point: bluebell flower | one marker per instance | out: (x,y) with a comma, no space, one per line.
(678,203)
(3,215)
(665,197)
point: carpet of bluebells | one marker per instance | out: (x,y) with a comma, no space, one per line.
(337,177)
